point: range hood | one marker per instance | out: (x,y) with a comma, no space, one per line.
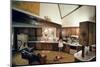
(21,19)
(17,24)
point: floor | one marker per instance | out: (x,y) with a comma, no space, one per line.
(17,60)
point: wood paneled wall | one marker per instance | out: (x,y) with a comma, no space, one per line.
(33,7)
(68,31)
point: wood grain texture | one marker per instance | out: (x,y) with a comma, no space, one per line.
(32,7)
(89,28)
(68,31)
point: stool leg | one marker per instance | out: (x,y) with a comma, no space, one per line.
(30,62)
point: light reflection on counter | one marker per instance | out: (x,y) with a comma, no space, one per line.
(42,41)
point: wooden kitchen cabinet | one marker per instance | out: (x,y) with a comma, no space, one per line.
(68,31)
(34,33)
(47,46)
(87,33)
(27,6)
(39,32)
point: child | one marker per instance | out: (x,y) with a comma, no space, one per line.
(60,44)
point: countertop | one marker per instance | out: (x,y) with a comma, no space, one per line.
(42,41)
(72,44)
(88,57)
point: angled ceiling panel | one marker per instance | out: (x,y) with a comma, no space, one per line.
(66,9)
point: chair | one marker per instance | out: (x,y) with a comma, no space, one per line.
(31,57)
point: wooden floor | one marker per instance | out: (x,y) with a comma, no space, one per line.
(17,60)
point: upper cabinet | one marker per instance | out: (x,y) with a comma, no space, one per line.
(69,31)
(27,6)
(87,33)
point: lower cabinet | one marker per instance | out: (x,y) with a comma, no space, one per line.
(47,46)
(50,46)
(66,48)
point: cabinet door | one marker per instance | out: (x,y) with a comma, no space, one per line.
(39,32)
(92,33)
(84,30)
(27,6)
(87,33)
(32,34)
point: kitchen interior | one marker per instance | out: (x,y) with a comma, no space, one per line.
(37,27)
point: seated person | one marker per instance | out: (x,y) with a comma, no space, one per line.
(31,57)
